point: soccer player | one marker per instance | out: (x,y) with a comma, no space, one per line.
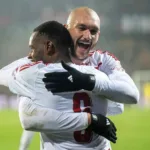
(84,26)
(95,59)
(26,136)
(51,42)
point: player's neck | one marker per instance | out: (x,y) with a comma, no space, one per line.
(67,60)
(56,59)
(77,61)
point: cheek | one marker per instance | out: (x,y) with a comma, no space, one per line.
(74,34)
(32,54)
(41,53)
(35,54)
(38,53)
(95,39)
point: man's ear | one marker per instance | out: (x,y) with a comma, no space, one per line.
(50,48)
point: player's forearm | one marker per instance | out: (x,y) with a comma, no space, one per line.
(121,89)
(36,118)
(49,123)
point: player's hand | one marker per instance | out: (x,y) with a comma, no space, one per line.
(104,127)
(72,80)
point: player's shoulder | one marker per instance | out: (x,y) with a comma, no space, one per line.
(31,66)
(53,67)
(102,53)
(24,60)
(83,68)
(28,71)
(102,57)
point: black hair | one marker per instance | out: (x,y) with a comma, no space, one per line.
(58,34)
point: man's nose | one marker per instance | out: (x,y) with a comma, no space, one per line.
(87,34)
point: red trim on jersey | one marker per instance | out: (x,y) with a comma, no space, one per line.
(98,65)
(23,68)
(47,63)
(28,65)
(112,55)
(102,52)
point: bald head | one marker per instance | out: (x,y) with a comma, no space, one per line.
(83,12)
(84,26)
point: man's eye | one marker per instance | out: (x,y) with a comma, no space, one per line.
(82,28)
(93,32)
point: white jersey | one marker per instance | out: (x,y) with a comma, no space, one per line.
(7,71)
(27,81)
(95,59)
(111,66)
(103,62)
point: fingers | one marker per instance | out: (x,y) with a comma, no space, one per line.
(114,131)
(57,74)
(60,80)
(58,88)
(112,139)
(54,87)
(56,77)
(113,135)
(113,125)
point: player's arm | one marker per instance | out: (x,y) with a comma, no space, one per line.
(119,86)
(114,108)
(115,85)
(37,118)
(7,71)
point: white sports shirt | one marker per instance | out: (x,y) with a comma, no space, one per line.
(27,79)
